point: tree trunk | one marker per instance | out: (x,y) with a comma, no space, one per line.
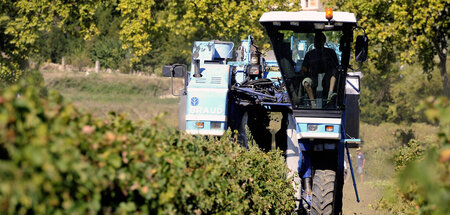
(440,45)
(444,75)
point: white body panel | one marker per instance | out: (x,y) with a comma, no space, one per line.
(319,135)
(352,87)
(332,121)
(306,16)
(218,118)
(316,135)
(206,132)
(292,156)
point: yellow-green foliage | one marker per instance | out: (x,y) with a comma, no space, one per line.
(416,27)
(401,32)
(406,31)
(194,20)
(139,25)
(9,71)
(54,159)
(223,19)
(144,24)
(22,21)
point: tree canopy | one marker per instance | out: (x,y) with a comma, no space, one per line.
(417,30)
(145,24)
(22,21)
(139,34)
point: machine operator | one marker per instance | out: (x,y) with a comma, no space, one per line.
(320,60)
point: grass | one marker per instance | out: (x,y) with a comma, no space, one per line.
(380,145)
(382,141)
(140,98)
(96,85)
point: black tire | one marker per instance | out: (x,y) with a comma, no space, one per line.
(242,137)
(257,122)
(324,184)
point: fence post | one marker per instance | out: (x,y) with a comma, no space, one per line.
(63,64)
(97,66)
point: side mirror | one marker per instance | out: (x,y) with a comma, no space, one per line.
(361,48)
(176,70)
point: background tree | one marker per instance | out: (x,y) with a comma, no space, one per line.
(418,30)
(223,19)
(146,22)
(381,70)
(139,27)
(9,67)
(150,32)
(22,23)
(425,26)
(106,47)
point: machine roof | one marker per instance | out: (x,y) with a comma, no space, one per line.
(306,16)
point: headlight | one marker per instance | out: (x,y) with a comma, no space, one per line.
(312,127)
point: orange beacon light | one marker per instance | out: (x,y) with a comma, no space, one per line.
(329,13)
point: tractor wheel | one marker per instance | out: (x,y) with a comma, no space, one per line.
(323,197)
(257,122)
(242,138)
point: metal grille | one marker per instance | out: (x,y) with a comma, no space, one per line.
(200,80)
(216,80)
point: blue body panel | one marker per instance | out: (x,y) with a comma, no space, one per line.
(207,96)
(211,50)
(272,74)
(241,64)
(207,100)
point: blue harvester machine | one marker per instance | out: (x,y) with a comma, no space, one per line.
(221,94)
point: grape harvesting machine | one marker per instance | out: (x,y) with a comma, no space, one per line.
(221,94)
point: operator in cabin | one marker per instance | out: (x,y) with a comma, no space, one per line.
(320,60)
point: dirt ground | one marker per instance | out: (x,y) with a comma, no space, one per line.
(369,196)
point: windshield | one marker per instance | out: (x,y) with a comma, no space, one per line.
(310,64)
